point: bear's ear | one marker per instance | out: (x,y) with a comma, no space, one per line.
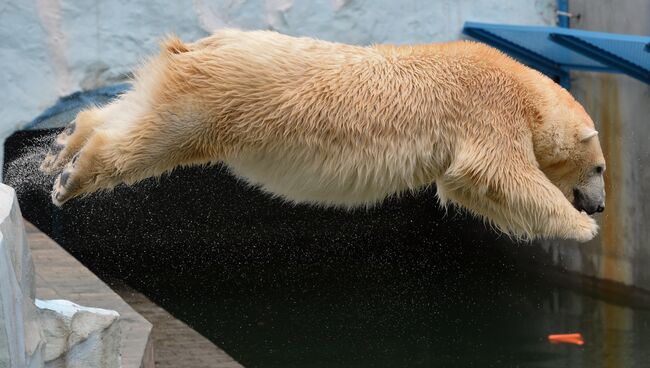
(587,133)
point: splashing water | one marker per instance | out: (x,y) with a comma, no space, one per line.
(23,173)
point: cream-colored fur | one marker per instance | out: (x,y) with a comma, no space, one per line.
(342,125)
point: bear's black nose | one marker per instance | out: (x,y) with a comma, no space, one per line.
(600,208)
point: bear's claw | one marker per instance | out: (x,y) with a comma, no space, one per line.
(70,128)
(65,185)
(53,159)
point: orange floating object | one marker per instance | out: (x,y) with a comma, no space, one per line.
(573,338)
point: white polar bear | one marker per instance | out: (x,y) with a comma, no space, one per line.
(342,125)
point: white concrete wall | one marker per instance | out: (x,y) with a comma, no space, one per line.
(50,48)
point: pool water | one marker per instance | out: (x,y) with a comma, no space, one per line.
(407,312)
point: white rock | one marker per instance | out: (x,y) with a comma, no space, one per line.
(79,337)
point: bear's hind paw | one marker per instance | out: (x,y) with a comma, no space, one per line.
(66,184)
(59,151)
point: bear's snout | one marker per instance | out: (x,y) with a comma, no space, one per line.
(583,202)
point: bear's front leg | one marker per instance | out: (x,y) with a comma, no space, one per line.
(521,202)
(538,201)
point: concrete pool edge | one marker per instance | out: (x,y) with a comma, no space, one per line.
(607,290)
(556,267)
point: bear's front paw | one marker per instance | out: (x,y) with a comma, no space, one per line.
(587,228)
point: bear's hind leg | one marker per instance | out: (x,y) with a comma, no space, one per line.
(146,148)
(70,140)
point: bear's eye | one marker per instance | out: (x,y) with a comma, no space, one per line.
(599,169)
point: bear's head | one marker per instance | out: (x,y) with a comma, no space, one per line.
(568,151)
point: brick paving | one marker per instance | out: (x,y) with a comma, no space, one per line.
(170,343)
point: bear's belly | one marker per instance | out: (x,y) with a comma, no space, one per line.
(341,179)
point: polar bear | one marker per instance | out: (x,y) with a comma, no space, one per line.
(341,125)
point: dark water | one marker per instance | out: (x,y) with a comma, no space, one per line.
(403,285)
(405,311)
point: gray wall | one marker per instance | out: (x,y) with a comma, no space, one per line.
(51,48)
(620,107)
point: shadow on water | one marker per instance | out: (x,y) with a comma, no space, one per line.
(275,285)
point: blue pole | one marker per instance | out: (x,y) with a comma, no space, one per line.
(563,21)
(563,18)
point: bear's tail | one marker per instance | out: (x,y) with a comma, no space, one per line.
(173,45)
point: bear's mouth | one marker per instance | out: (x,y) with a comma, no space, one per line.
(581,203)
(582,209)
